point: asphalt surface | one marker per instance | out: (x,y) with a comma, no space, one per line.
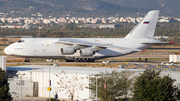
(142,56)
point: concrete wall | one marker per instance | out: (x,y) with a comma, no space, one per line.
(15,88)
(68,80)
(3,62)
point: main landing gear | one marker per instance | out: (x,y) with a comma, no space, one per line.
(26,60)
(81,60)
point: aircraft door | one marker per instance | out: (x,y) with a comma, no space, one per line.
(35,52)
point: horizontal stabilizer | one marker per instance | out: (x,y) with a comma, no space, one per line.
(156,43)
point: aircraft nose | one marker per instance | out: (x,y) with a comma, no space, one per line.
(8,50)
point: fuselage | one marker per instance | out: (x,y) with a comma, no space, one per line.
(49,48)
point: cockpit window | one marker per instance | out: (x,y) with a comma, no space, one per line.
(20,41)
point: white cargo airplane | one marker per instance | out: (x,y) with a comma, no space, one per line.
(88,49)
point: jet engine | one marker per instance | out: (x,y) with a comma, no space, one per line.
(67,50)
(87,52)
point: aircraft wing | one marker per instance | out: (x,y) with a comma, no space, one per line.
(79,44)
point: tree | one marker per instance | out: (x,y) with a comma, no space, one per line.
(115,85)
(71,85)
(4,87)
(178,94)
(150,86)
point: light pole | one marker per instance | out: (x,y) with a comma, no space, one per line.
(15,78)
(97,87)
(96,77)
(19,74)
(169,67)
(161,65)
(105,62)
(49,78)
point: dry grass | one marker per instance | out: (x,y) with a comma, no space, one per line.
(167,46)
(9,40)
(145,65)
(133,59)
(110,65)
(130,66)
(2,47)
(162,51)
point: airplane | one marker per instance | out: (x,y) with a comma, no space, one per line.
(88,49)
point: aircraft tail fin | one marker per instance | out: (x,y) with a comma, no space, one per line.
(145,28)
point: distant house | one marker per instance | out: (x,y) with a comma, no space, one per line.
(7,26)
(19,36)
(101,25)
(10,26)
(163,20)
(17,26)
(160,37)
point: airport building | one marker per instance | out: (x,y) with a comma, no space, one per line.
(33,80)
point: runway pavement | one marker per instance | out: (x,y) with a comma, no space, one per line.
(142,56)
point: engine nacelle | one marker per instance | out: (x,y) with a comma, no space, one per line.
(87,52)
(67,50)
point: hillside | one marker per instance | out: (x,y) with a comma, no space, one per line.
(167,7)
(86,8)
(163,5)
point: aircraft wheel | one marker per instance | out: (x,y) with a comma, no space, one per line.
(92,60)
(88,60)
(26,60)
(67,60)
(77,60)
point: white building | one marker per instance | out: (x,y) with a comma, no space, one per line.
(163,20)
(63,78)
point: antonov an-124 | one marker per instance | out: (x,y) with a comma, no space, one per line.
(88,49)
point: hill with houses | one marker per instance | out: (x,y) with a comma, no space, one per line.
(86,8)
